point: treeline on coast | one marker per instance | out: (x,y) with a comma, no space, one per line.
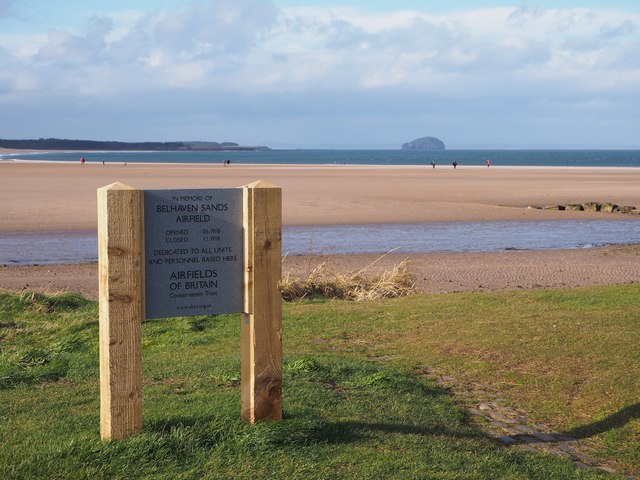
(65,144)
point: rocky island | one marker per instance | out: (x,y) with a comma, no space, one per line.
(431,144)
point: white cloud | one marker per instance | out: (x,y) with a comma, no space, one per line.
(66,49)
(247,45)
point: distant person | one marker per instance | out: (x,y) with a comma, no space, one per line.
(82,160)
(103,162)
(433,163)
(488,163)
(455,164)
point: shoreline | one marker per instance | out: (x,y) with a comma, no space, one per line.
(310,166)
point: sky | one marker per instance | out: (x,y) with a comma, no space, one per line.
(323,74)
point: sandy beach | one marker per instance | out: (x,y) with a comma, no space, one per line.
(62,196)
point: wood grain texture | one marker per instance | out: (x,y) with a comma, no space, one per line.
(261,331)
(121,306)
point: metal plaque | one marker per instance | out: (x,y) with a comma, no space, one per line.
(193,252)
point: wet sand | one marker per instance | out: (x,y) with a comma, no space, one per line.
(433,272)
(59,196)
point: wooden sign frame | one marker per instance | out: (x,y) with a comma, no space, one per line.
(122,306)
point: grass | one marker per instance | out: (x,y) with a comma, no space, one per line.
(569,358)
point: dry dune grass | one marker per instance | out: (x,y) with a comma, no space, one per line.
(364,284)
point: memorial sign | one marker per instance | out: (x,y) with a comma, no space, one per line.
(193,252)
(176,253)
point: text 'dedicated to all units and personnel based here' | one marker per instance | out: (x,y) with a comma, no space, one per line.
(193,252)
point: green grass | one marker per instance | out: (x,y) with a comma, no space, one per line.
(569,358)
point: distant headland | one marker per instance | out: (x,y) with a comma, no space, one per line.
(425,144)
(93,145)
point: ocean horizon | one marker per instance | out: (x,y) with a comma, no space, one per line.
(528,158)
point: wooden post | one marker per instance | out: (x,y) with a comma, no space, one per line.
(261,331)
(121,305)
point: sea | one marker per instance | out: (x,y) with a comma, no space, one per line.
(546,158)
(76,247)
